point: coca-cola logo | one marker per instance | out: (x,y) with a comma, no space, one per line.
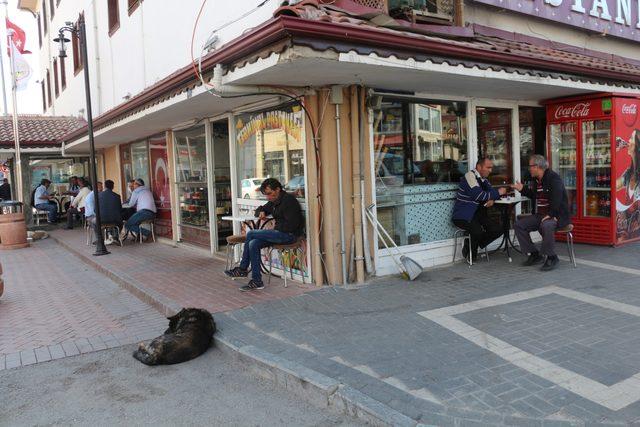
(629,114)
(572,111)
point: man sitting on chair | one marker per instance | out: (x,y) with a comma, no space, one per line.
(42,201)
(475,195)
(142,199)
(90,205)
(551,212)
(289,225)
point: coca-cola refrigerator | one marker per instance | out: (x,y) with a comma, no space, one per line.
(593,142)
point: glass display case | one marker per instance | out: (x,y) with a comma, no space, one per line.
(563,146)
(596,157)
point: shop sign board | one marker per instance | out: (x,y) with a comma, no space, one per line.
(627,190)
(616,18)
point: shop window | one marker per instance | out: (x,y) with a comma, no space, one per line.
(270,144)
(532,124)
(63,74)
(44,97)
(39,30)
(133,5)
(77,52)
(56,88)
(420,154)
(192,188)
(45,24)
(114,16)
(140,161)
(58,171)
(49,99)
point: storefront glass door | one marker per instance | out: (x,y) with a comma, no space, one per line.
(494,126)
(192,186)
(221,181)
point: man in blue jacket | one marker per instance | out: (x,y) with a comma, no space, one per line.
(475,195)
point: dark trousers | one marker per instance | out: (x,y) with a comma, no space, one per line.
(256,240)
(525,225)
(482,230)
(70,213)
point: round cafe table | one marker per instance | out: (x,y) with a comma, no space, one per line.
(506,206)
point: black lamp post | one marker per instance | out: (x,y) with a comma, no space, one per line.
(80,32)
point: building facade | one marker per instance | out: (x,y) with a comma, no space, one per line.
(353,105)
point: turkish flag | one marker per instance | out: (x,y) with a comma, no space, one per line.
(19,37)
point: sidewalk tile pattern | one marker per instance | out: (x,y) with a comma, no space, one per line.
(374,339)
(182,276)
(56,306)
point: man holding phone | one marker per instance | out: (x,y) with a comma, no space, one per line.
(475,195)
(289,225)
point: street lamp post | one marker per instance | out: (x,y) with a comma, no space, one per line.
(80,31)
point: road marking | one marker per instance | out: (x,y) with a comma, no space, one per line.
(603,265)
(614,397)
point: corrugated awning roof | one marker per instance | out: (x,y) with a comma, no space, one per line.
(37,131)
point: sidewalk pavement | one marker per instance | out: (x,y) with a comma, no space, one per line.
(170,278)
(495,344)
(55,306)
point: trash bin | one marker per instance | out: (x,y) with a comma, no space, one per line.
(13,229)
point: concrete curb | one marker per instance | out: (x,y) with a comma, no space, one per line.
(149,296)
(312,385)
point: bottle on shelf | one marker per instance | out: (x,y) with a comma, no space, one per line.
(598,179)
(592,204)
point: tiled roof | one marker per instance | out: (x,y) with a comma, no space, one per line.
(350,14)
(37,131)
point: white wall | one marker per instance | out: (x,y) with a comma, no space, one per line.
(151,43)
(154,41)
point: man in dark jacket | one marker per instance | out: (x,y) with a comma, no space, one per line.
(5,190)
(475,195)
(110,205)
(289,225)
(551,212)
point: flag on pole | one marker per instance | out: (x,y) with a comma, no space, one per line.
(19,36)
(21,66)
(16,47)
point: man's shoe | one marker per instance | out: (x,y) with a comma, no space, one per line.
(550,263)
(236,272)
(533,259)
(253,285)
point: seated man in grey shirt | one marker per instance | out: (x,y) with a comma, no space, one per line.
(142,199)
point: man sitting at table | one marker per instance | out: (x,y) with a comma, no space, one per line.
(90,205)
(551,211)
(110,208)
(289,225)
(144,203)
(42,201)
(78,202)
(475,195)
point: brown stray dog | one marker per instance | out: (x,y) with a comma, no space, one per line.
(189,335)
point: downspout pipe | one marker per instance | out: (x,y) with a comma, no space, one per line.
(336,98)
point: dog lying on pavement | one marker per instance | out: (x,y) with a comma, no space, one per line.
(189,335)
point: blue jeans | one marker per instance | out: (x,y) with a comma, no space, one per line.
(51,208)
(256,240)
(133,223)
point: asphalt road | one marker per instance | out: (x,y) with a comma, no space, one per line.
(111,388)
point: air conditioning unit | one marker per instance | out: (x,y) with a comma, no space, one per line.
(422,10)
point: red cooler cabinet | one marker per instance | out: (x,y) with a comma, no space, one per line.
(593,142)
